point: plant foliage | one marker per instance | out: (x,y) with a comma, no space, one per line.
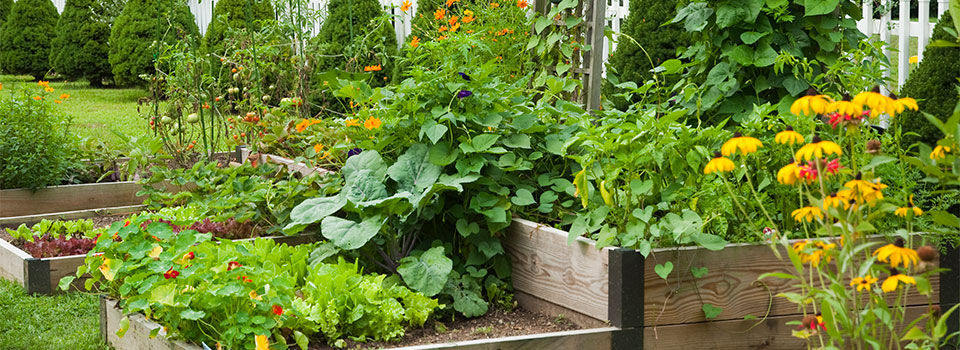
(135,32)
(933,83)
(25,38)
(79,48)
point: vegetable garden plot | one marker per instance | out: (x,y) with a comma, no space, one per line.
(621,286)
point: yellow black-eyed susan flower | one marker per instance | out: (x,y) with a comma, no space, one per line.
(939,152)
(864,282)
(864,191)
(789,174)
(904,211)
(816,149)
(811,104)
(807,213)
(719,163)
(835,201)
(898,105)
(846,107)
(890,284)
(877,102)
(743,144)
(788,137)
(895,254)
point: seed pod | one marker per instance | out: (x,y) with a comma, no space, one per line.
(927,253)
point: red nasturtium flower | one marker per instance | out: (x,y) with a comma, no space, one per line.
(188,256)
(232,265)
(171,273)
(277,310)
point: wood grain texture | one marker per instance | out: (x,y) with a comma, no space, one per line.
(731,283)
(14,221)
(771,334)
(12,262)
(543,307)
(19,202)
(63,266)
(597,338)
(574,276)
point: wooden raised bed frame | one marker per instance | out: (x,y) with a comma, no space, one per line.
(620,286)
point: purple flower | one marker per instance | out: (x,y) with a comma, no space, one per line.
(353,152)
(464,76)
(464,93)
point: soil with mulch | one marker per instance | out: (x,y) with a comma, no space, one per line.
(497,323)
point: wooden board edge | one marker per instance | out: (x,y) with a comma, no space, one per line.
(137,335)
(532,303)
(594,338)
(12,262)
(71,215)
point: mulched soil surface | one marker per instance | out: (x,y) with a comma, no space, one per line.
(495,324)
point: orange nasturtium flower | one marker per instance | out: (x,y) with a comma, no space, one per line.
(372,123)
(317,148)
(415,42)
(522,3)
(405,6)
(262,343)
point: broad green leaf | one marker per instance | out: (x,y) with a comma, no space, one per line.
(517,141)
(945,218)
(302,341)
(413,170)
(479,143)
(710,241)
(368,161)
(663,270)
(426,273)
(124,326)
(349,235)
(65,282)
(523,197)
(433,131)
(711,311)
(442,154)
(819,7)
(190,314)
(364,185)
(698,272)
(313,210)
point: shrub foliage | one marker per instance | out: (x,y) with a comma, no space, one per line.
(35,141)
(25,38)
(80,49)
(235,14)
(140,24)
(932,84)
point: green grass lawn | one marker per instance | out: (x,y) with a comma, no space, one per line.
(95,111)
(65,321)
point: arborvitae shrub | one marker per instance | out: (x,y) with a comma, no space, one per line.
(25,38)
(5,6)
(80,49)
(135,30)
(644,25)
(932,83)
(236,12)
(342,33)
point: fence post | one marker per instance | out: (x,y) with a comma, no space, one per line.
(950,289)
(903,44)
(923,12)
(594,62)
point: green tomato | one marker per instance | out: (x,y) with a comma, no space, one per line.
(193,118)
(166,119)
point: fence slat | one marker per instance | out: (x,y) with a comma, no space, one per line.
(903,45)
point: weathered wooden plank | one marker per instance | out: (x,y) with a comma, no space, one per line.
(771,334)
(544,266)
(63,266)
(532,303)
(19,202)
(12,262)
(70,215)
(596,338)
(137,336)
(729,284)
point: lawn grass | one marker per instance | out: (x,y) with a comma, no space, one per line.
(65,321)
(95,111)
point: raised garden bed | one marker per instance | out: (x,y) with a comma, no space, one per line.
(44,274)
(620,286)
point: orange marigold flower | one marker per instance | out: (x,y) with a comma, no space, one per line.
(405,6)
(453,20)
(522,4)
(455,27)
(439,14)
(372,123)
(415,42)
(38,98)
(57,101)
(43,83)
(64,96)
(442,29)
(376,68)
(48,89)
(451,2)
(352,122)
(494,5)
(317,148)
(467,19)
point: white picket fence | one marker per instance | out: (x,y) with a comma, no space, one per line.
(617,11)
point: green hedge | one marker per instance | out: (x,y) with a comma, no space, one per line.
(933,83)
(80,49)
(25,38)
(138,26)
(5,6)
(660,42)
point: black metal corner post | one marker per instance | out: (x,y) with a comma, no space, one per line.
(625,306)
(36,274)
(950,290)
